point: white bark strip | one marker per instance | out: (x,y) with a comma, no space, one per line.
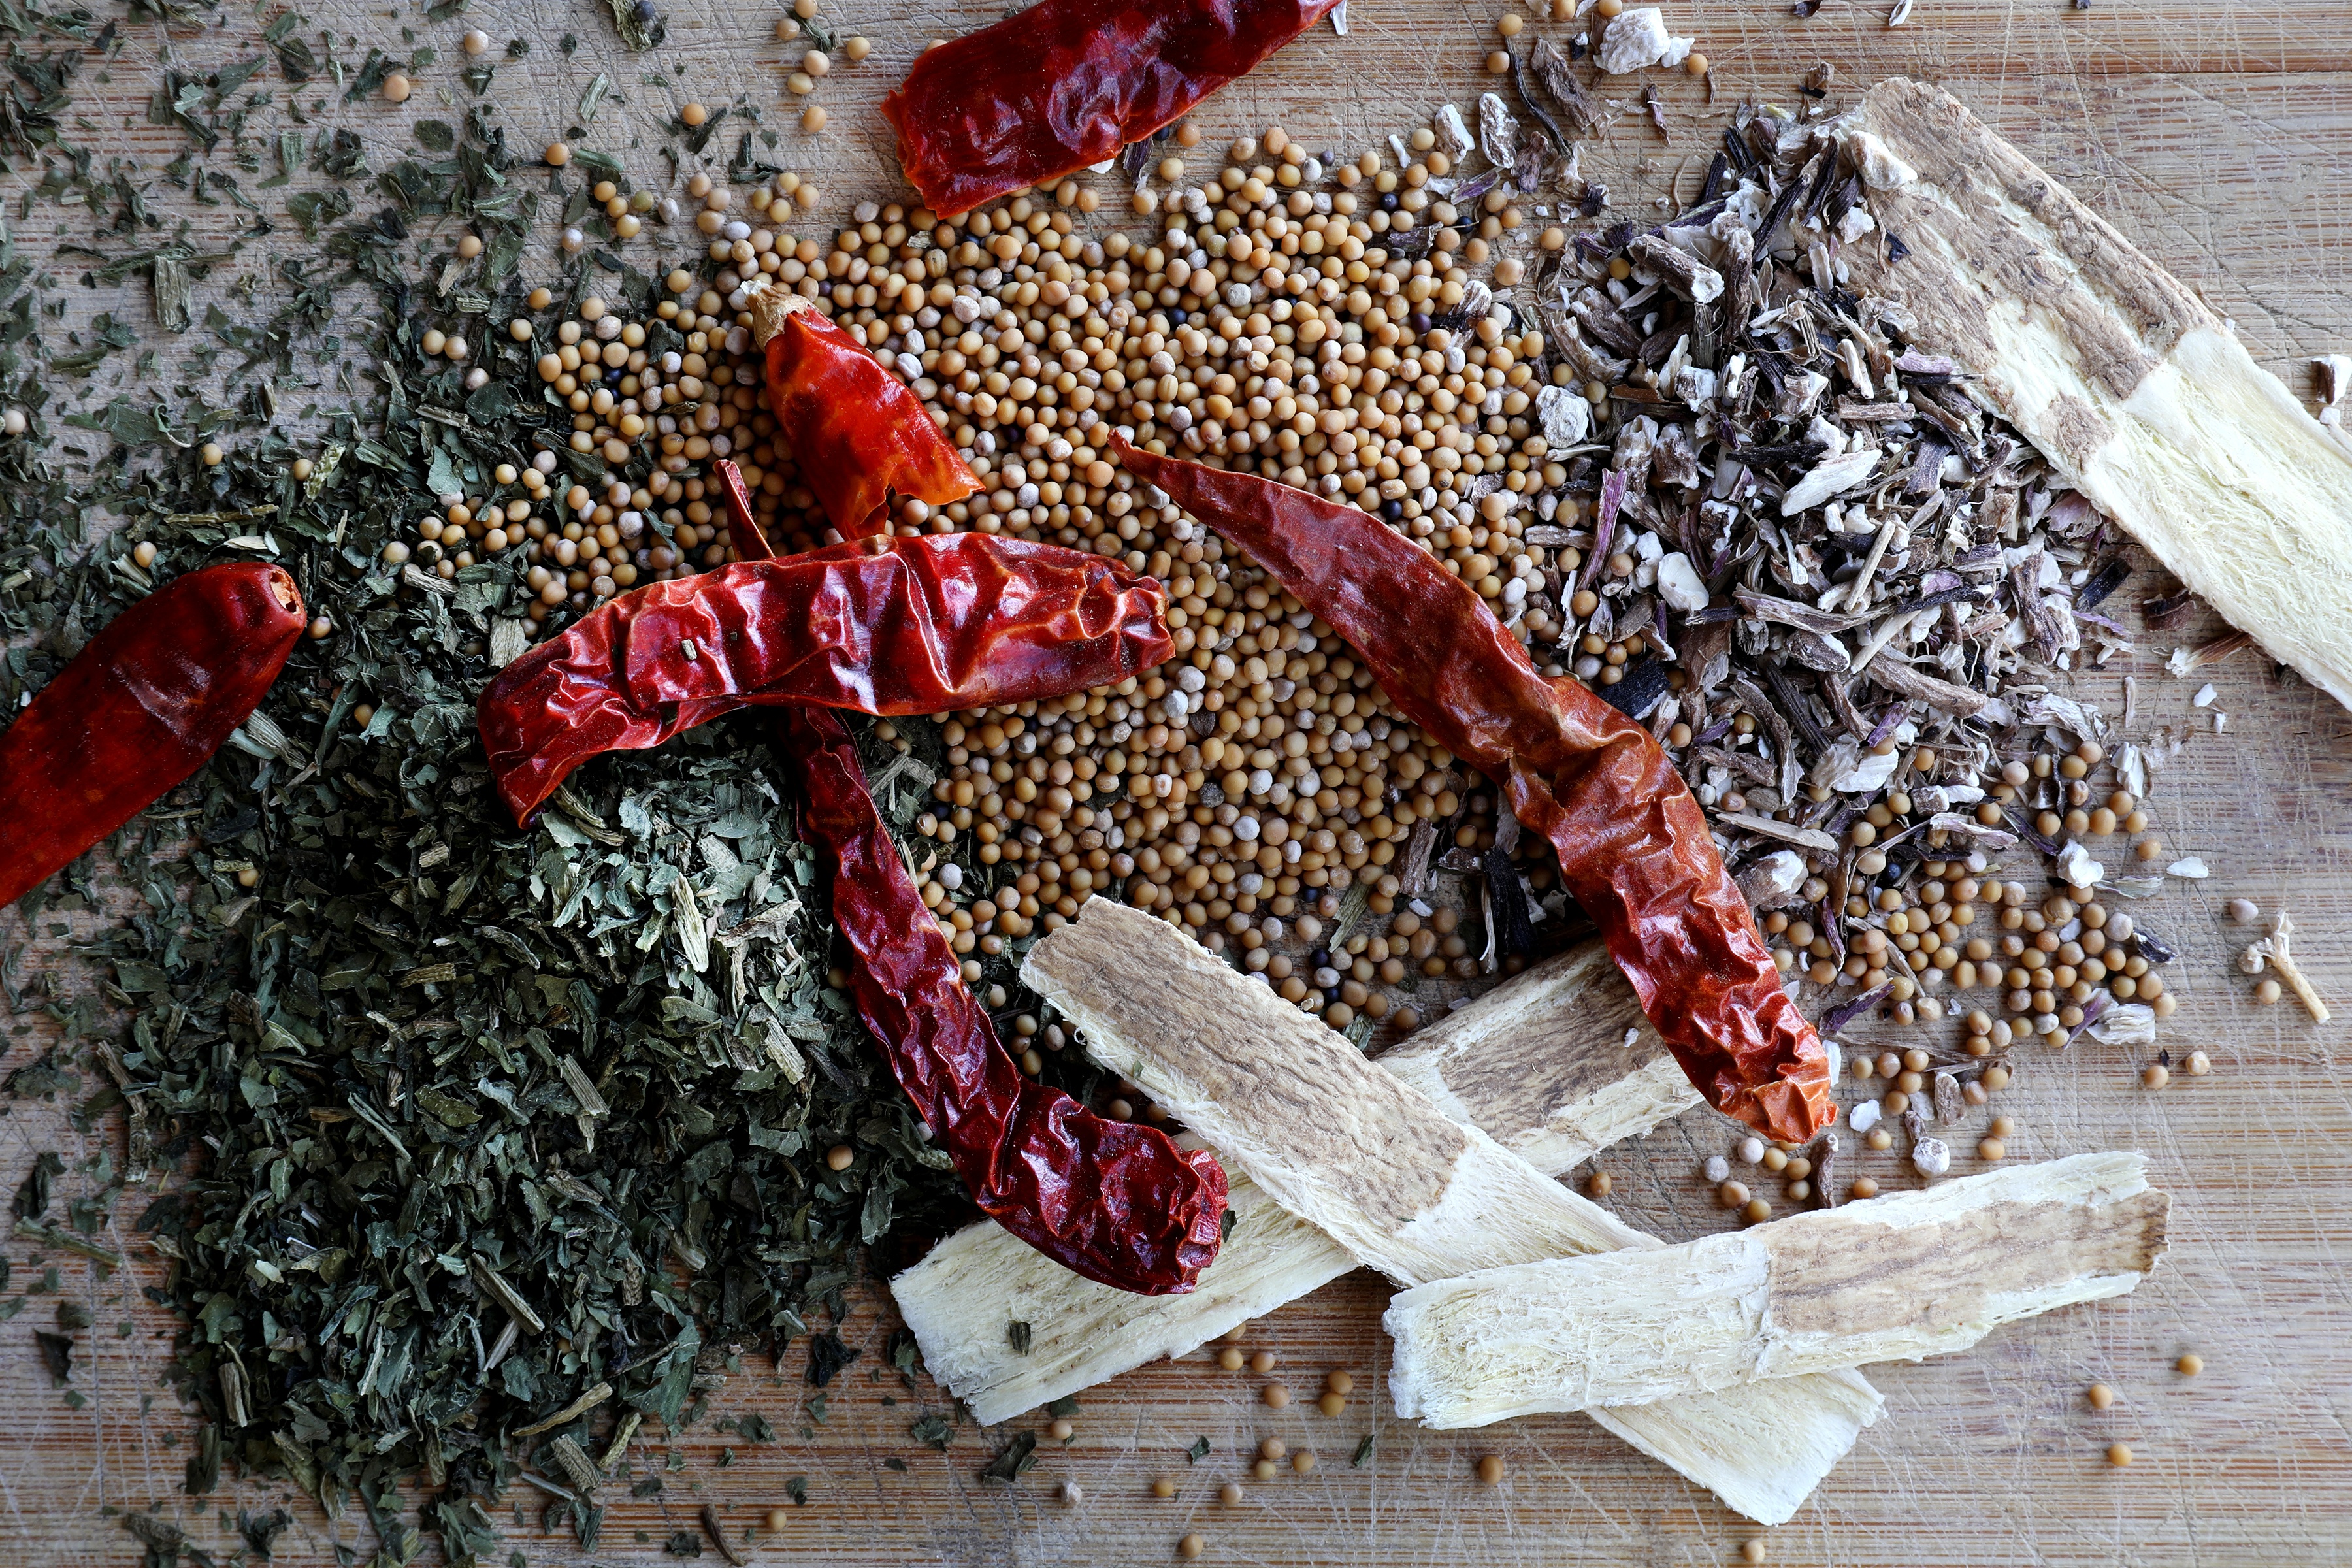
(1372,1162)
(962,1298)
(1540,1062)
(1898,1278)
(2135,392)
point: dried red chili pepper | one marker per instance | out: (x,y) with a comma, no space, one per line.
(1033,1171)
(1068,83)
(1634,846)
(856,430)
(142,706)
(1118,1203)
(898,625)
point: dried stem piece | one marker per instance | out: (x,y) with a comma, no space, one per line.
(2272,949)
(1904,681)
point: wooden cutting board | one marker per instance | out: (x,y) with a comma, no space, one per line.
(2217,136)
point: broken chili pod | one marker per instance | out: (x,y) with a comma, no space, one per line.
(144,704)
(1635,847)
(897,626)
(856,431)
(744,528)
(1067,83)
(1113,1201)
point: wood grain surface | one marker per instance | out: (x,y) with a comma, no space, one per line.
(2218,135)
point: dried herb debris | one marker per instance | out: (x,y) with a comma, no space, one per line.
(471,1149)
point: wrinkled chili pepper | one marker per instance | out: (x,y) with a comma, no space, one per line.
(856,430)
(142,706)
(1115,1202)
(1069,83)
(1634,846)
(897,626)
(1035,1169)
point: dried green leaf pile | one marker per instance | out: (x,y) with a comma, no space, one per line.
(470,1148)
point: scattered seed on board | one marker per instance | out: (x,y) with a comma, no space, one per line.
(2100,1395)
(1164,1488)
(1191,1546)
(1262,1362)
(1752,1551)
(1276,1395)
(2120,1455)
(1718,1169)
(778,1520)
(1230,1494)
(2189,1365)
(1490,1469)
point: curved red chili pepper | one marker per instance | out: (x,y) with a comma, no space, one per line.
(1118,1203)
(856,430)
(144,705)
(897,626)
(1068,83)
(1634,849)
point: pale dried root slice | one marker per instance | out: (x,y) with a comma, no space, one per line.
(963,1299)
(1374,1164)
(1898,1278)
(1540,1062)
(2135,392)
(1555,1064)
(1297,1109)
